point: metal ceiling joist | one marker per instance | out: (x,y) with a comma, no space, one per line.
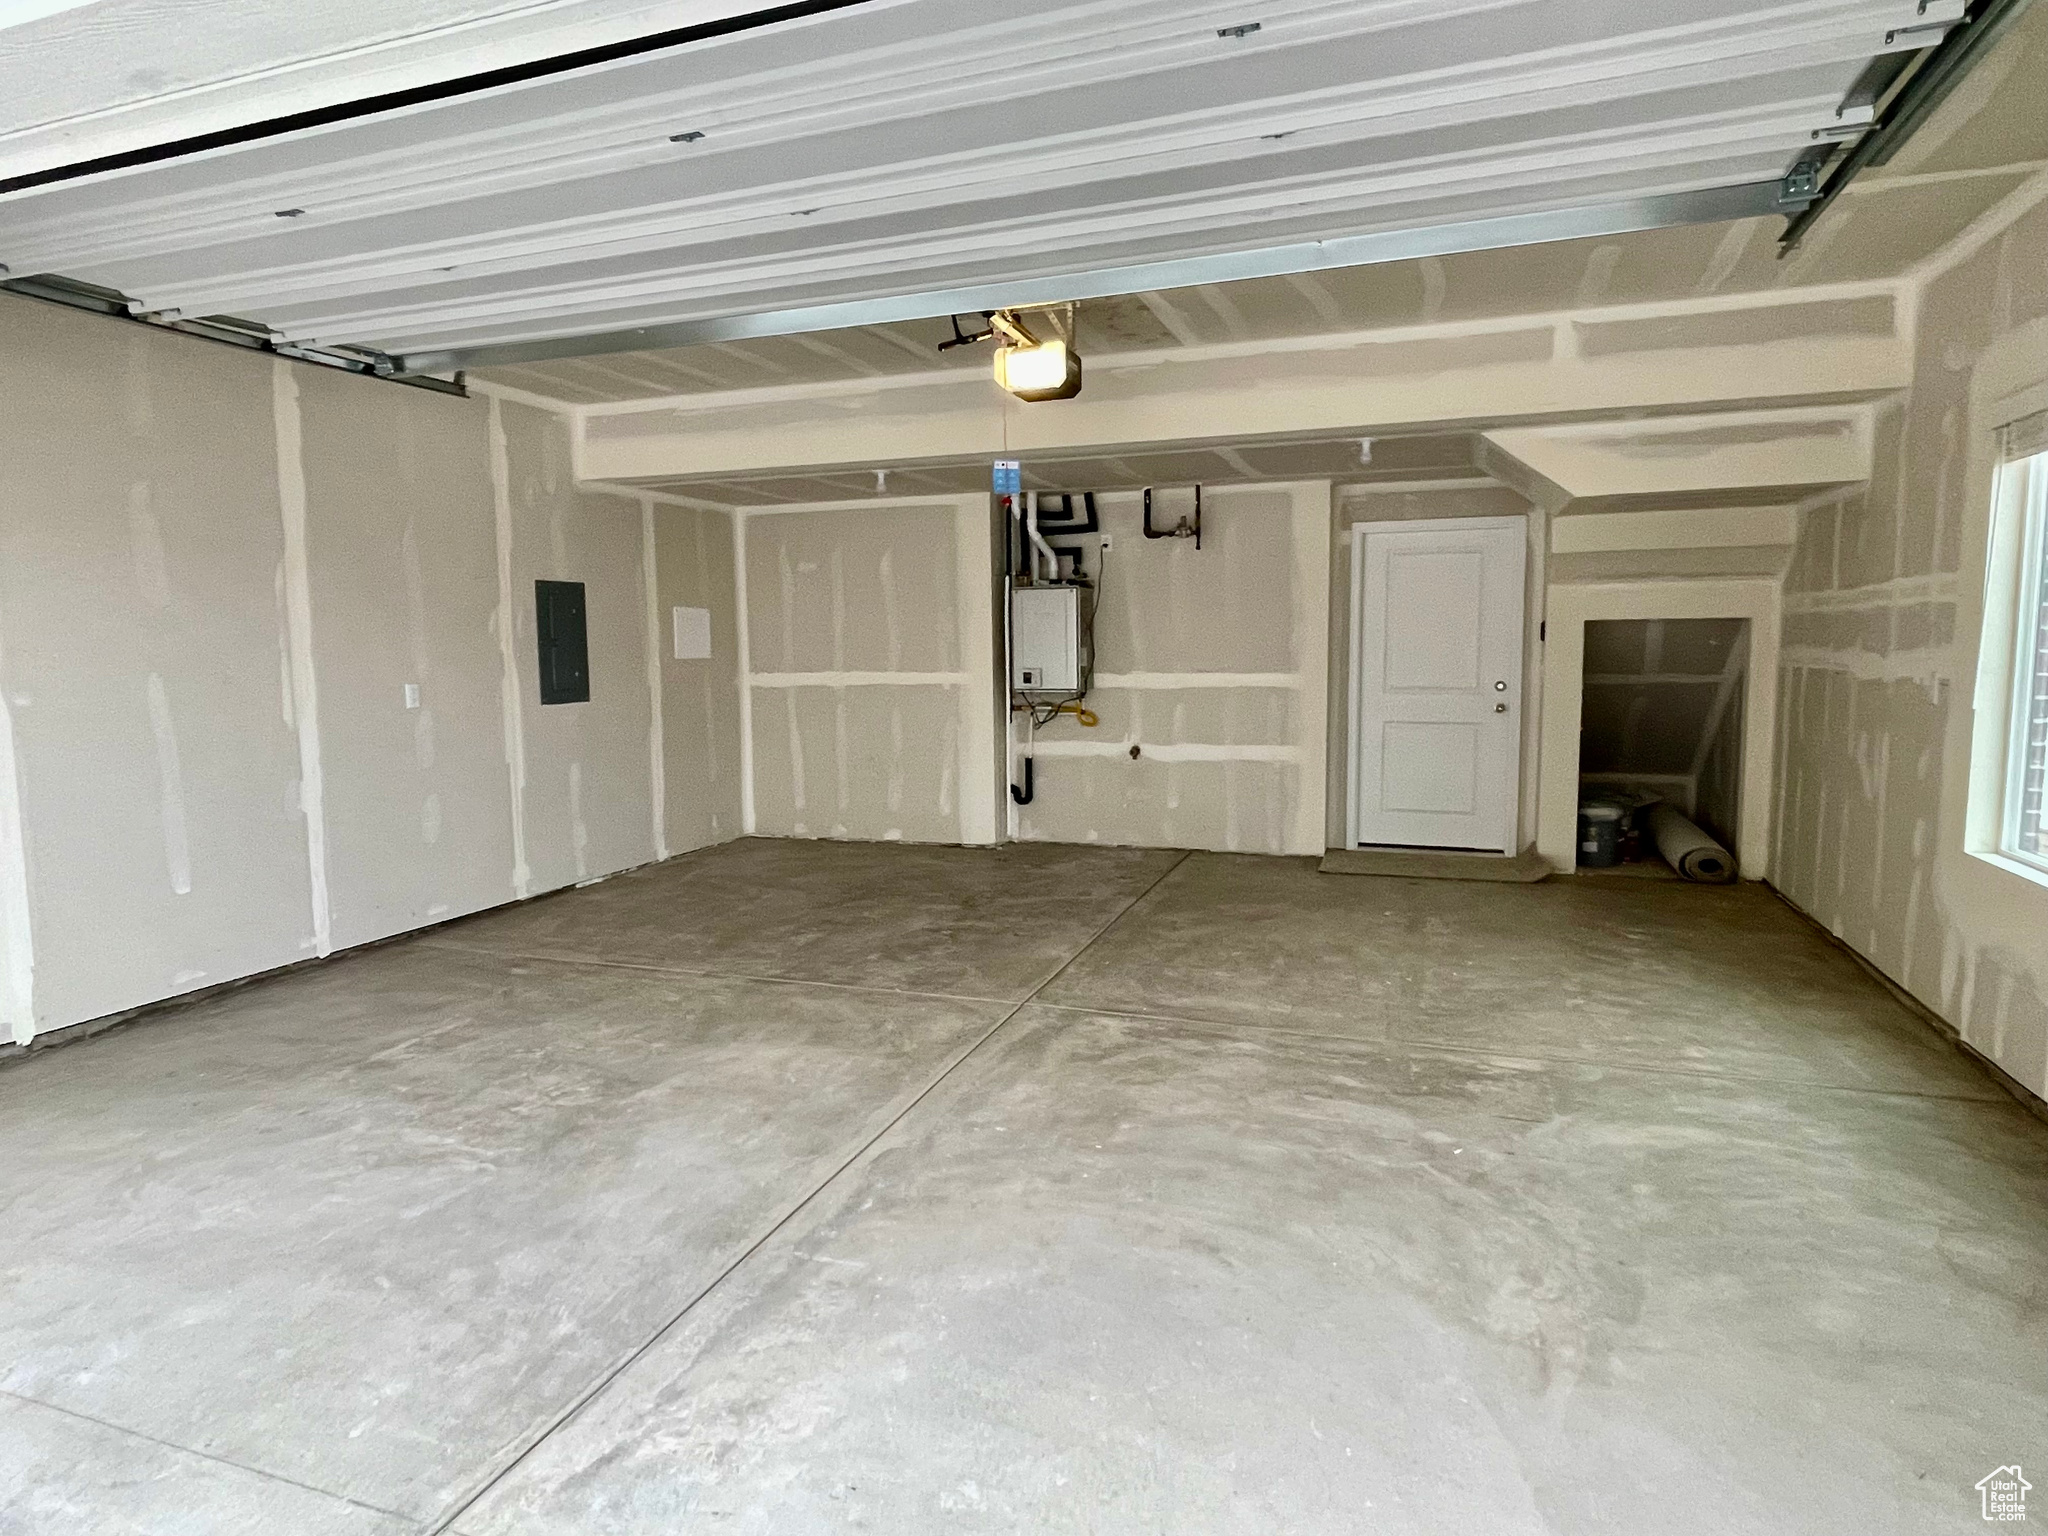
(1711,205)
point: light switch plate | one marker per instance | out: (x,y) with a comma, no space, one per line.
(412,695)
(693,634)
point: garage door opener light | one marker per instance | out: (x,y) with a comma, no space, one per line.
(1032,369)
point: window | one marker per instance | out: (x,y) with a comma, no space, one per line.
(2023,506)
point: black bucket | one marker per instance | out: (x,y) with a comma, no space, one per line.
(1599,836)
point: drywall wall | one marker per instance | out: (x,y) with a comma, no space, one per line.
(586,784)
(1717,771)
(1211,663)
(402,589)
(17,938)
(1671,542)
(868,673)
(1883,602)
(700,696)
(155,750)
(1478,496)
(219,573)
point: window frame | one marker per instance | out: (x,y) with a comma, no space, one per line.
(2011,385)
(2024,509)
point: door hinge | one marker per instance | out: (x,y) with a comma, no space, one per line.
(1542,630)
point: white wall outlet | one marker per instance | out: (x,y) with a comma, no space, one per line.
(1106,542)
(412,695)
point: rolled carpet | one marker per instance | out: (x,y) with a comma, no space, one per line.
(1687,849)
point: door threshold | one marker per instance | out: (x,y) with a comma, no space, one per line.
(1524,868)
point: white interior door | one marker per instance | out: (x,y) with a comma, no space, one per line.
(1436,682)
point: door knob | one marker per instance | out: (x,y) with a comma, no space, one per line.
(1500,709)
(1500,687)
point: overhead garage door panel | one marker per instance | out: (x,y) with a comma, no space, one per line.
(894,149)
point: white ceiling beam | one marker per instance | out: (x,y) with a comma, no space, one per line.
(1792,446)
(860,393)
(1318,298)
(901,342)
(1759,383)
(818,346)
(1226,310)
(750,357)
(1168,314)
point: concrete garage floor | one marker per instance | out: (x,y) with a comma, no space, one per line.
(809,1187)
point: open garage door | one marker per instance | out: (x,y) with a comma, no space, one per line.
(726,172)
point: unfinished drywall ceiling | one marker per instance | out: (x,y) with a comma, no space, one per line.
(863,352)
(890,150)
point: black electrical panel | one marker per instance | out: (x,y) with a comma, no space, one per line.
(564,642)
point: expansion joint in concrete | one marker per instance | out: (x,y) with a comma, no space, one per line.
(445,1522)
